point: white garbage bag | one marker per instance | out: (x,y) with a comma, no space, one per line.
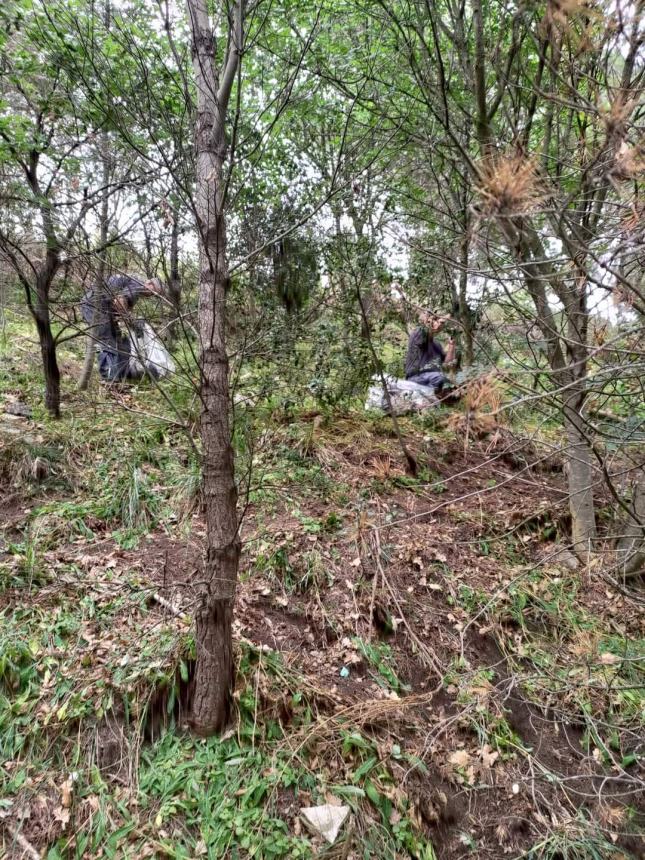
(149,355)
(405,396)
(325,820)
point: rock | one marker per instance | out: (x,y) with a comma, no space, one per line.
(566,558)
(39,469)
(15,407)
(14,431)
(325,820)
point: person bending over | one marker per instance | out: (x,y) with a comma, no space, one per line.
(104,316)
(426,357)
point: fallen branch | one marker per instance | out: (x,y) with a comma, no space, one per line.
(429,655)
(179,613)
(21,840)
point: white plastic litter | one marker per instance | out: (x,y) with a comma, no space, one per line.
(325,820)
(405,396)
(147,353)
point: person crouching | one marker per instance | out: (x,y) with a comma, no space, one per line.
(425,357)
(105,314)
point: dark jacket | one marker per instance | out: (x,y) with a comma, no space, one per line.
(423,353)
(106,328)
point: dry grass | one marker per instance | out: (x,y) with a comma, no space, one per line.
(510,185)
(563,11)
(482,400)
(629,161)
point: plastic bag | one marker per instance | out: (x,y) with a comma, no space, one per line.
(148,354)
(405,396)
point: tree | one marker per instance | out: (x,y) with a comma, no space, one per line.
(104,226)
(53,112)
(42,130)
(216,593)
(551,94)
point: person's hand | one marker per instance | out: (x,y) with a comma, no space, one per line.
(154,286)
(120,304)
(451,351)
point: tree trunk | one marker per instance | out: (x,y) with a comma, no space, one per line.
(465,313)
(568,359)
(42,318)
(88,361)
(174,283)
(216,590)
(581,475)
(578,431)
(50,363)
(99,283)
(630,545)
(367,291)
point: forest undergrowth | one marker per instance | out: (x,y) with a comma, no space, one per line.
(424,650)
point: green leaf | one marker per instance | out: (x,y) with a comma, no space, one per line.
(364,769)
(372,793)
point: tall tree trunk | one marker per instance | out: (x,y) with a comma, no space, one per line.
(630,545)
(38,304)
(50,362)
(567,356)
(579,443)
(42,317)
(99,283)
(581,473)
(568,359)
(367,293)
(40,310)
(465,313)
(174,282)
(216,590)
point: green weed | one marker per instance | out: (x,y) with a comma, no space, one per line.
(578,839)
(379,656)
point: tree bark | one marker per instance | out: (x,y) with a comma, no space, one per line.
(568,359)
(99,283)
(42,317)
(465,313)
(47,341)
(631,544)
(579,443)
(367,294)
(216,592)
(174,282)
(40,310)
(50,363)
(579,460)
(88,361)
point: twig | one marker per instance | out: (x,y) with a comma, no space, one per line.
(26,846)
(413,466)
(372,601)
(423,648)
